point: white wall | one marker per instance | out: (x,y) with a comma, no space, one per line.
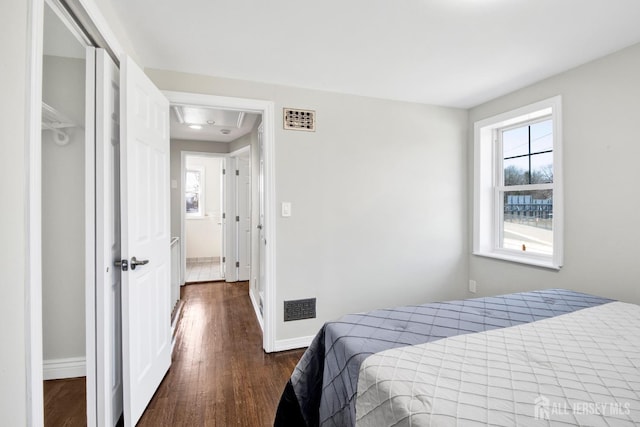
(204,234)
(13,214)
(601,112)
(379,199)
(63,211)
(245,140)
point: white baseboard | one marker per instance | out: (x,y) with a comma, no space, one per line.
(256,308)
(174,323)
(293,343)
(72,367)
(280,345)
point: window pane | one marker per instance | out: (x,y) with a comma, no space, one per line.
(193,202)
(515,142)
(192,191)
(192,184)
(542,168)
(528,221)
(542,136)
(516,171)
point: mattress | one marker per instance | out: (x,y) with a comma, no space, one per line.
(322,389)
(581,368)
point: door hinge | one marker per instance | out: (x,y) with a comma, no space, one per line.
(237,172)
(237,263)
(238,218)
(224,215)
(224,259)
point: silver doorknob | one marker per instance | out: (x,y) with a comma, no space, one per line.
(259,226)
(136,262)
(122,264)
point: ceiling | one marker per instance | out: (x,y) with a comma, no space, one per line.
(456,53)
(210,124)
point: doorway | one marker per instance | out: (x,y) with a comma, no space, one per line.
(257,156)
(203,222)
(65,202)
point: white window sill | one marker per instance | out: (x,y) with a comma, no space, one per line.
(197,217)
(520,260)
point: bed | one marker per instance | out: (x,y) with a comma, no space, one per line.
(484,361)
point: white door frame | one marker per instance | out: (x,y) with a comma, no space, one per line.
(267,109)
(33,267)
(183,202)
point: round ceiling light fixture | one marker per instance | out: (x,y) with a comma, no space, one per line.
(225,131)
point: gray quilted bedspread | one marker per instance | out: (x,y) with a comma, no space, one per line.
(326,377)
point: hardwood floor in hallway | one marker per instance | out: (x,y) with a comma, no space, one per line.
(220,376)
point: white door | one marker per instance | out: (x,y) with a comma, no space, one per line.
(146,285)
(108,316)
(261,230)
(224,215)
(243,199)
(231,223)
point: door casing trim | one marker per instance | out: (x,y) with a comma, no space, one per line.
(267,109)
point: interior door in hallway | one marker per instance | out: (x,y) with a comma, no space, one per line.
(146,282)
(243,188)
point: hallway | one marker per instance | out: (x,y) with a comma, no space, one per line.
(220,376)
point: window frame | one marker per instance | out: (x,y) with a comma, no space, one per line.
(488,209)
(200,214)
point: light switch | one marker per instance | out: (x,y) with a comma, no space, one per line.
(286,209)
(174,184)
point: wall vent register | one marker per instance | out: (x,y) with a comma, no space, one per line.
(299,119)
(300,309)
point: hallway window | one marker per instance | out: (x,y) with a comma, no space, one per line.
(194,192)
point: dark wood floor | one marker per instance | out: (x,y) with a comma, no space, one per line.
(65,403)
(220,375)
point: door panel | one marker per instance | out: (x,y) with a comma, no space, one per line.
(108,315)
(146,289)
(231,225)
(243,188)
(224,218)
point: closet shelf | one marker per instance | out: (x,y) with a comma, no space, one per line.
(55,121)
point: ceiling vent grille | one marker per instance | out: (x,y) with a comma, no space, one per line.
(299,119)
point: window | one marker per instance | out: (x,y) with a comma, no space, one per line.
(518,187)
(194,192)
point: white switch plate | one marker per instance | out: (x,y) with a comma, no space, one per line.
(174,184)
(472,286)
(286,209)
